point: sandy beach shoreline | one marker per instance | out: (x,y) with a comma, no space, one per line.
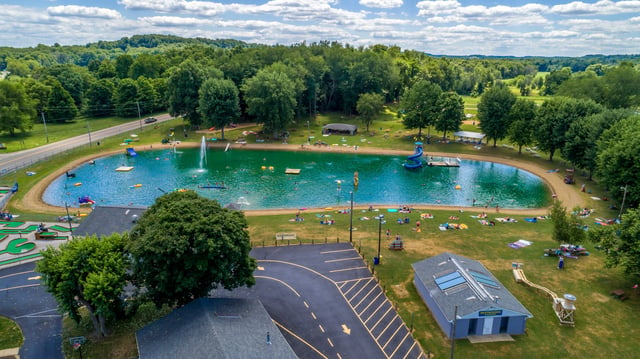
(569,196)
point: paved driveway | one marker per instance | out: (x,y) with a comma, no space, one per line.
(24,299)
(326,303)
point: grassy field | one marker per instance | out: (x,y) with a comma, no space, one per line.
(55,132)
(603,325)
(600,320)
(11,334)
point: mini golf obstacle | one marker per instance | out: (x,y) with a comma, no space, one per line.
(563,307)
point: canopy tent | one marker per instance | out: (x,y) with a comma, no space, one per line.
(339,128)
(468,135)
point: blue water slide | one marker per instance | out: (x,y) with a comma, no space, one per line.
(414,160)
(131,152)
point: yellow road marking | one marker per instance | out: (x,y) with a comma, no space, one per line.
(361,289)
(300,339)
(346,329)
(372,301)
(387,327)
(330,342)
(346,269)
(382,317)
(364,297)
(34,278)
(393,335)
(399,345)
(343,259)
(313,315)
(374,313)
(279,281)
(321,328)
(338,251)
(20,286)
(305,304)
(15,274)
(259,268)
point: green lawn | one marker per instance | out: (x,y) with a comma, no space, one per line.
(10,334)
(56,132)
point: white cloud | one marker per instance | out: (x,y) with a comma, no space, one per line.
(602,7)
(384,4)
(169,21)
(83,11)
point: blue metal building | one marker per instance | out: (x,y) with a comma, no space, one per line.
(454,286)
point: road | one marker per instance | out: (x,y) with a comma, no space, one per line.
(10,162)
(25,300)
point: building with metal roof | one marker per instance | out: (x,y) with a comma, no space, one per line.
(462,294)
(214,328)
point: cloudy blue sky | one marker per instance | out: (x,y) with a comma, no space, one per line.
(450,27)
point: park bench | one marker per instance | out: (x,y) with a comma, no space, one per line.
(286,236)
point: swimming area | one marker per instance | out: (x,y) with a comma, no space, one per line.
(257,180)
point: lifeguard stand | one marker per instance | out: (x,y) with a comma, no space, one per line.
(564,308)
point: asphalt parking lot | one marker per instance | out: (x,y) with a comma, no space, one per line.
(25,300)
(326,303)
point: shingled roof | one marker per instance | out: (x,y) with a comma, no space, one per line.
(106,220)
(214,328)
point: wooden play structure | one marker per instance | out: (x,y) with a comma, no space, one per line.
(563,307)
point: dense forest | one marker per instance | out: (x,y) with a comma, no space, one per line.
(581,103)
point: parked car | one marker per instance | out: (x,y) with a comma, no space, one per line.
(2,146)
(150,120)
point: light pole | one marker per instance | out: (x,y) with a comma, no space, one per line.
(308,134)
(351,220)
(624,196)
(381,218)
(89,132)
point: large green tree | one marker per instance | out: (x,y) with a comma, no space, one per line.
(555,116)
(493,112)
(420,106)
(185,245)
(583,134)
(126,98)
(369,106)
(182,91)
(621,243)
(16,109)
(219,103)
(99,98)
(90,273)
(451,113)
(522,128)
(270,97)
(618,162)
(567,227)
(60,106)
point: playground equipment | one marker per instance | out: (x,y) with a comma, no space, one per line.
(563,307)
(131,152)
(414,160)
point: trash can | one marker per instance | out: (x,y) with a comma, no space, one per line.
(376,260)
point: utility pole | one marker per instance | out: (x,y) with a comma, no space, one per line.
(46,133)
(139,116)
